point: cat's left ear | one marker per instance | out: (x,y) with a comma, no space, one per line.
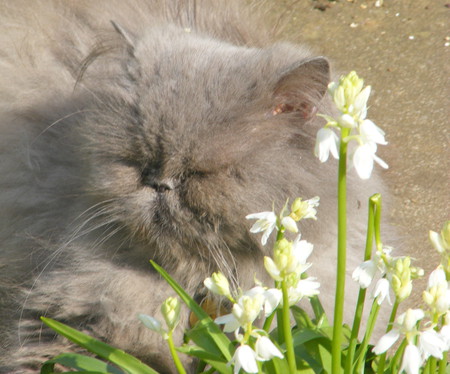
(301,87)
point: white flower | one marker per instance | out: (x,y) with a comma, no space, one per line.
(386,341)
(326,142)
(244,358)
(245,311)
(370,132)
(272,297)
(305,288)
(346,120)
(360,104)
(412,360)
(304,209)
(289,224)
(363,159)
(266,222)
(365,273)
(405,324)
(218,284)
(437,294)
(381,291)
(266,350)
(431,343)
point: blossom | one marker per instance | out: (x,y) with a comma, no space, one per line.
(381,291)
(244,312)
(363,159)
(244,358)
(304,209)
(218,284)
(441,242)
(289,258)
(265,349)
(412,360)
(431,343)
(350,99)
(289,224)
(326,142)
(307,287)
(405,324)
(437,294)
(365,273)
(266,222)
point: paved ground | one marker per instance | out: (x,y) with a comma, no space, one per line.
(402,50)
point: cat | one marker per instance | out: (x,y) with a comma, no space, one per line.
(142,130)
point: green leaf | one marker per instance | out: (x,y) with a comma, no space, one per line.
(120,358)
(218,338)
(302,318)
(217,362)
(81,363)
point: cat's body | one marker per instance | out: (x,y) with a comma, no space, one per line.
(149,137)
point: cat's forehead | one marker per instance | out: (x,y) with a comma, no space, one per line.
(197,79)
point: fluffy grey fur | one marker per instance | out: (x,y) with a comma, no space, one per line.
(149,137)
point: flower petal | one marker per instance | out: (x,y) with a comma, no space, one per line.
(386,341)
(411,360)
(245,358)
(266,350)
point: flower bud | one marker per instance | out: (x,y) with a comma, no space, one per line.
(218,284)
(170,309)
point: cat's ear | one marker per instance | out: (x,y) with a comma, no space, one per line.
(301,87)
(125,34)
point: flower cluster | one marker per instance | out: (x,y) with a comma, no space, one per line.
(248,306)
(395,273)
(350,98)
(434,339)
(287,266)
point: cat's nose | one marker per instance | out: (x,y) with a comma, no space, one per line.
(162,186)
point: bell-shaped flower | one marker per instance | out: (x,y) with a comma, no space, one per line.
(369,132)
(441,241)
(289,224)
(326,142)
(265,349)
(363,159)
(218,284)
(244,358)
(381,291)
(266,222)
(412,360)
(431,343)
(365,273)
(405,324)
(307,287)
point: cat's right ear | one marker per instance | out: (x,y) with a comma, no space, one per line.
(301,87)
(125,34)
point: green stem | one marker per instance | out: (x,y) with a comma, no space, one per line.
(443,363)
(432,362)
(268,321)
(382,362)
(287,330)
(174,354)
(341,256)
(361,354)
(398,354)
(373,209)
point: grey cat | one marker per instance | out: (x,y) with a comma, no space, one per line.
(145,130)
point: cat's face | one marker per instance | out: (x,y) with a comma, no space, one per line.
(200,135)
